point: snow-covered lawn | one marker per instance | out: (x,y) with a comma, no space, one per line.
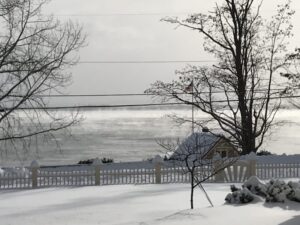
(137,204)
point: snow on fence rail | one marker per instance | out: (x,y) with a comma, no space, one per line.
(278,170)
(146,172)
(13,178)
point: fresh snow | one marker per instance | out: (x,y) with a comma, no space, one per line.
(166,204)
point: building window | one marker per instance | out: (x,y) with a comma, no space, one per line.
(224,154)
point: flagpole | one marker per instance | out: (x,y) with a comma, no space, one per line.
(193,125)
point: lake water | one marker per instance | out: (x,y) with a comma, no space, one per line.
(131,135)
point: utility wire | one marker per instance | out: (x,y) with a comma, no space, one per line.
(151,61)
(92,106)
(141,13)
(141,94)
(135,105)
(127,14)
(145,61)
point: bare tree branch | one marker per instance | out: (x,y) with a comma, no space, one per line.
(251,55)
(35,50)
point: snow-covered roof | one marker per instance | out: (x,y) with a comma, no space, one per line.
(197,143)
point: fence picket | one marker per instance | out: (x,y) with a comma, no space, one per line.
(11,178)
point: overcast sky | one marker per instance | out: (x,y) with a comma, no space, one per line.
(117,30)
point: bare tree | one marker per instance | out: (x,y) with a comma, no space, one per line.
(238,91)
(293,76)
(35,51)
(196,158)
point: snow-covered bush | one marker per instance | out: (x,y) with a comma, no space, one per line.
(239,196)
(256,186)
(273,191)
(294,195)
(277,191)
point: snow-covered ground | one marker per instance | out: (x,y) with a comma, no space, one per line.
(137,205)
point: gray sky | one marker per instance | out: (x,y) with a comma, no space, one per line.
(113,37)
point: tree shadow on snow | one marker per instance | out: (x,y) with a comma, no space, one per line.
(294,221)
(81,202)
(177,216)
(288,205)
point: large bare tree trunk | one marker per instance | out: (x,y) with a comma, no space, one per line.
(237,91)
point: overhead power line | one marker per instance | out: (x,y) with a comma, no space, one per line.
(145,61)
(140,13)
(278,90)
(273,91)
(93,106)
(127,14)
(90,95)
(135,105)
(151,61)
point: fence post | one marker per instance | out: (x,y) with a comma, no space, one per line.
(97,165)
(252,164)
(220,175)
(34,166)
(158,163)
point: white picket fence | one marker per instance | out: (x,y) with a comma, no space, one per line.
(157,172)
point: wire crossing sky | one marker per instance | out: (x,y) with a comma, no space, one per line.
(128,47)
